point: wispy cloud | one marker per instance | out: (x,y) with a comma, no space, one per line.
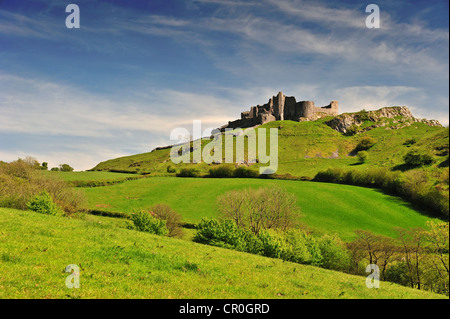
(229,2)
(316,12)
(61,119)
(16,24)
(49,108)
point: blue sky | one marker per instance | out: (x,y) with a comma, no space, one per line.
(137,69)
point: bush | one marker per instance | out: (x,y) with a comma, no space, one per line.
(416,158)
(410,142)
(244,172)
(365,143)
(43,204)
(172,218)
(221,172)
(398,273)
(146,222)
(296,248)
(352,130)
(221,233)
(331,175)
(362,156)
(170,169)
(292,245)
(334,253)
(21,180)
(271,244)
(65,168)
(188,172)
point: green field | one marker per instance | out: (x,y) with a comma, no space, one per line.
(120,263)
(325,208)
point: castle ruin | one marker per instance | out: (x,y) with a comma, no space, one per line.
(281,108)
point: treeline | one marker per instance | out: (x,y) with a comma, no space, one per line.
(412,186)
(418,258)
(221,171)
(265,222)
(105,182)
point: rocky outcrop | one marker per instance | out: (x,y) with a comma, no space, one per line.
(281,108)
(351,123)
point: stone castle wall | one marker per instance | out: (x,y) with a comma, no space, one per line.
(281,108)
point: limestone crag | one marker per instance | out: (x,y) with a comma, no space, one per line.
(281,108)
(400,116)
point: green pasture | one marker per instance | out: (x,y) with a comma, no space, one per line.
(325,208)
(119,263)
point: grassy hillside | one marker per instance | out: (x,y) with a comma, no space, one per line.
(120,263)
(328,208)
(305,148)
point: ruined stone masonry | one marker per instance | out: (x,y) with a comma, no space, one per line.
(280,108)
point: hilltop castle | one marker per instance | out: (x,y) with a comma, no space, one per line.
(281,108)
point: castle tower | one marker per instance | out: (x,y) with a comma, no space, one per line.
(305,109)
(334,107)
(278,106)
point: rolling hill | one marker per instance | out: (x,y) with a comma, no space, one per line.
(325,208)
(306,148)
(119,263)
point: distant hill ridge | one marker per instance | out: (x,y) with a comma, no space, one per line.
(281,107)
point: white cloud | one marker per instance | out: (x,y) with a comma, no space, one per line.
(316,12)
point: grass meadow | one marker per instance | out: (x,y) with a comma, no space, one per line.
(325,208)
(120,263)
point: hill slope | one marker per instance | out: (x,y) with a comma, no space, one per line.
(306,148)
(326,208)
(120,263)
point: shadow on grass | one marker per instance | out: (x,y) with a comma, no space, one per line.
(421,209)
(403,167)
(444,163)
(355,164)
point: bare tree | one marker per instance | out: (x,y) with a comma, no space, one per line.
(412,242)
(378,249)
(263,208)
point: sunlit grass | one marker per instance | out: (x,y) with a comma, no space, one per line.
(120,263)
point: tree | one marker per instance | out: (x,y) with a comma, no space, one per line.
(65,168)
(412,243)
(378,249)
(416,158)
(362,156)
(172,218)
(30,161)
(365,143)
(437,239)
(263,208)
